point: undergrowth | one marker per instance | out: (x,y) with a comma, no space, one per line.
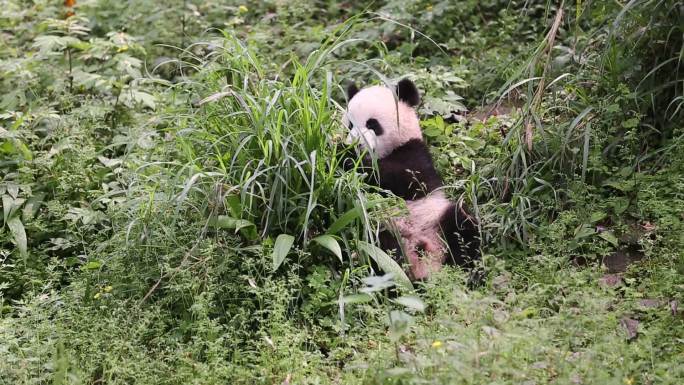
(174,209)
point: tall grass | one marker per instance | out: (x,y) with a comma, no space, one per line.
(600,93)
(268,144)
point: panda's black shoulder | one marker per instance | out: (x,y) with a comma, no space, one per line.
(409,171)
(415,148)
(414,153)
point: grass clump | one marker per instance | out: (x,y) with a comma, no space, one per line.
(174,210)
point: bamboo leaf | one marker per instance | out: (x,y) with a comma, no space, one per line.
(282,247)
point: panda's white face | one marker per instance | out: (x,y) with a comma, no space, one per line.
(380,122)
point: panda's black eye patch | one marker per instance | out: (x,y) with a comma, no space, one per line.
(373,124)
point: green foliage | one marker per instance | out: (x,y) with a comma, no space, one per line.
(174,210)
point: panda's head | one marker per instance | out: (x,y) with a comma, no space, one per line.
(381,118)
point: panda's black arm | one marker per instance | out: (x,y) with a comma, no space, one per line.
(409,171)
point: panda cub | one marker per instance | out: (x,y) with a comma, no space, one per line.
(384,122)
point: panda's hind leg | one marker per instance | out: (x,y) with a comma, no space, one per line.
(462,235)
(390,243)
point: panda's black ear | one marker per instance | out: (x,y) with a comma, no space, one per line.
(408,93)
(352,89)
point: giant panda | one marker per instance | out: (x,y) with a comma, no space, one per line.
(383,122)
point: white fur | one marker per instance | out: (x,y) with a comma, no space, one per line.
(429,210)
(398,120)
(421,227)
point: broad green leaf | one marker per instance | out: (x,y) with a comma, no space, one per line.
(432,131)
(85,215)
(23,149)
(18,234)
(144,98)
(233,203)
(246,228)
(631,123)
(63,144)
(107,162)
(584,231)
(355,298)
(620,205)
(12,190)
(386,263)
(330,243)
(621,185)
(597,216)
(7,205)
(411,302)
(399,322)
(378,283)
(128,65)
(282,246)
(610,237)
(10,206)
(226,222)
(92,265)
(49,43)
(32,205)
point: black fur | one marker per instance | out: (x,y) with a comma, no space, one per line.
(373,124)
(460,231)
(352,90)
(408,93)
(408,171)
(390,243)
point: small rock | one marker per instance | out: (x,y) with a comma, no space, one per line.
(619,261)
(610,280)
(579,260)
(490,331)
(575,379)
(674,307)
(500,316)
(650,303)
(501,282)
(631,326)
(648,226)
